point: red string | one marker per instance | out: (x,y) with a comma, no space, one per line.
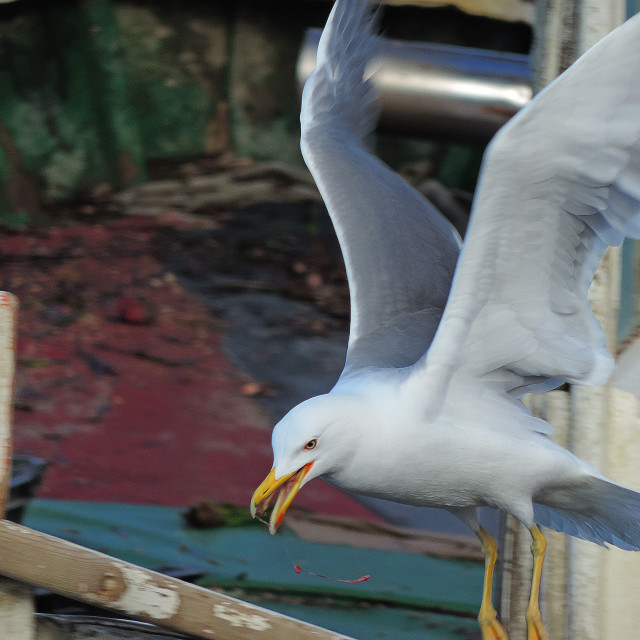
(298,569)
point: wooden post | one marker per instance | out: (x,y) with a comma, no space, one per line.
(88,576)
(16,602)
(8,313)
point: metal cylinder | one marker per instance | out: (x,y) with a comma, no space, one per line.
(439,91)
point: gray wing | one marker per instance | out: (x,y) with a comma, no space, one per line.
(559,183)
(400,252)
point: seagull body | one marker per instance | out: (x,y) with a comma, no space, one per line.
(446,337)
(377,442)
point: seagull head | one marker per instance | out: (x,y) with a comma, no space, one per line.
(312,439)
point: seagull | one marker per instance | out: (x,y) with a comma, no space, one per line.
(446,337)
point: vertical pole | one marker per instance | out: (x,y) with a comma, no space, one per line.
(591,408)
(573,579)
(16,603)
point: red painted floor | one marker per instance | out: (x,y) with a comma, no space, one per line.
(122,384)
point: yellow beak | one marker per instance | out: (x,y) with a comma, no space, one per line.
(290,486)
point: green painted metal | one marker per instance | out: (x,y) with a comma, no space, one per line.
(176,65)
(406,592)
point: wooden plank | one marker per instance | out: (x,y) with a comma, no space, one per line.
(95,578)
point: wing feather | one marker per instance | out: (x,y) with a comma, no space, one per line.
(400,252)
(559,183)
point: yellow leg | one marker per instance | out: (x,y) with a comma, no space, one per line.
(535,628)
(488,617)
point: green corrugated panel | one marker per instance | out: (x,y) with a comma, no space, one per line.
(406,591)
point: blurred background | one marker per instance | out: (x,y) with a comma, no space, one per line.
(181,287)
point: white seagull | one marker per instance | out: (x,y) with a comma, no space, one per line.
(444,338)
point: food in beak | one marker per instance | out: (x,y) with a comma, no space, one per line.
(289,486)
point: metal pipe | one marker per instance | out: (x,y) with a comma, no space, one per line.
(439,91)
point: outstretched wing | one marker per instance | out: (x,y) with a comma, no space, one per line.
(559,182)
(400,252)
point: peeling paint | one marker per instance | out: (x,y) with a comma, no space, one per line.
(237,618)
(143,596)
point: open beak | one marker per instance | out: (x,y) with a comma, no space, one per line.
(290,486)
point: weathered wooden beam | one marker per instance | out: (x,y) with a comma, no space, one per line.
(88,576)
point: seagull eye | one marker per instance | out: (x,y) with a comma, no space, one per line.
(311,444)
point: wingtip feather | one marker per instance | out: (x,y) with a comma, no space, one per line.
(335,90)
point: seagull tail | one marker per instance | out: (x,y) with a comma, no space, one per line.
(598,510)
